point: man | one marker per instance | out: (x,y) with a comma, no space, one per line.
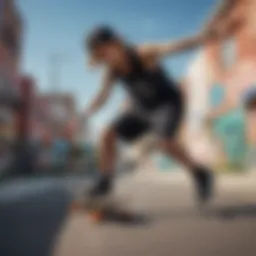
(157,103)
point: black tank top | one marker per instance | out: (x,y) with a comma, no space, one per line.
(149,89)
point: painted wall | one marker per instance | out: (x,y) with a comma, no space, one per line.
(232,65)
(198,137)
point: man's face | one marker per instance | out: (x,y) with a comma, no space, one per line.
(108,54)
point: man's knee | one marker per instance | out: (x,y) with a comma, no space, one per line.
(108,136)
(167,144)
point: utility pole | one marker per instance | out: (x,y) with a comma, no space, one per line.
(55,64)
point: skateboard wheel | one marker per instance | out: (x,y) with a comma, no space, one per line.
(96,216)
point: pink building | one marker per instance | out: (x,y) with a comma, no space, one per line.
(10,45)
(239,74)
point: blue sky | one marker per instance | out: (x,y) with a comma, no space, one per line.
(58,27)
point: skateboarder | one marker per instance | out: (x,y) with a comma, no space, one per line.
(157,103)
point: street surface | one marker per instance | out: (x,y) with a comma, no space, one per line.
(176,225)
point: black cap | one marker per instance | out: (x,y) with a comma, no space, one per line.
(99,36)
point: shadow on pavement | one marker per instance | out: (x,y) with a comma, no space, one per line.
(179,213)
(223,212)
(237,211)
(131,220)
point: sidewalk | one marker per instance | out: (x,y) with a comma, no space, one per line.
(180,175)
(177,226)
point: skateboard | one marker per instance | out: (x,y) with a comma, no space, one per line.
(106,209)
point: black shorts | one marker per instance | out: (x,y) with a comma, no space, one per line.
(163,122)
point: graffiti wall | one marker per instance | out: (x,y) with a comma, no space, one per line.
(198,136)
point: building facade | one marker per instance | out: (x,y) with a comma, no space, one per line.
(231,62)
(51,114)
(11,28)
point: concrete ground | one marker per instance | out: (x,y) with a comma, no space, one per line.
(176,225)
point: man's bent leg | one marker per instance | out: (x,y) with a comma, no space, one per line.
(202,175)
(175,150)
(107,163)
(128,127)
(108,151)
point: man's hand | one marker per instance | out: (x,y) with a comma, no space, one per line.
(83,120)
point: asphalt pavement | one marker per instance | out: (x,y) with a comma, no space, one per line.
(176,224)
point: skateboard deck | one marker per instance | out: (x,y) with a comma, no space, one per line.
(106,209)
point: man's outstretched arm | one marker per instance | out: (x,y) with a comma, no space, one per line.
(158,50)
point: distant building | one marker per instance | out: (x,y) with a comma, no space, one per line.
(53,111)
(229,70)
(11,29)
